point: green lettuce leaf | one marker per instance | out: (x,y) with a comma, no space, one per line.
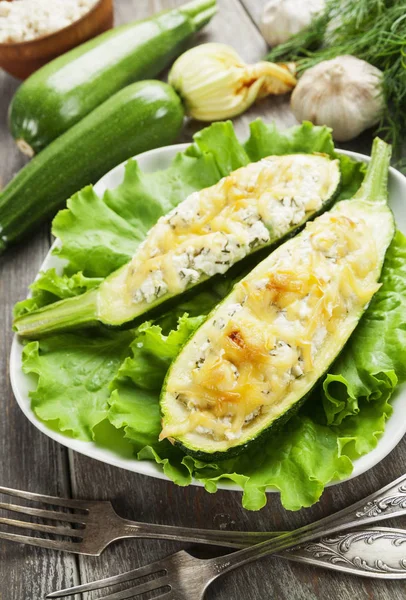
(50,287)
(105,385)
(74,373)
(151,354)
(268,139)
(360,433)
(290,462)
(374,359)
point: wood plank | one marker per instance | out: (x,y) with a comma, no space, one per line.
(32,461)
(254,9)
(151,500)
(28,459)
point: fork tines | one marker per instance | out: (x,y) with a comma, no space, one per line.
(160,582)
(44,514)
(54,500)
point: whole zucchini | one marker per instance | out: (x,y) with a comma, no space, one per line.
(261,351)
(60,94)
(143,116)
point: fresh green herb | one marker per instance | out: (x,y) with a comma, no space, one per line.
(373,30)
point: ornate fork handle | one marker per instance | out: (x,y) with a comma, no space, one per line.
(389,501)
(372,552)
(375,552)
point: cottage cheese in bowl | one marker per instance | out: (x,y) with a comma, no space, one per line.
(24,20)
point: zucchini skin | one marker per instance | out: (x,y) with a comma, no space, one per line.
(80,305)
(64,91)
(143,116)
(372,197)
(253,443)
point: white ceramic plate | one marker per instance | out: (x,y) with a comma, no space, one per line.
(22,384)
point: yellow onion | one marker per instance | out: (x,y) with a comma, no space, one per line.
(216,84)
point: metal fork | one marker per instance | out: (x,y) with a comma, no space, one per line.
(184,577)
(95,525)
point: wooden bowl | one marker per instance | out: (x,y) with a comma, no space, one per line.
(23,58)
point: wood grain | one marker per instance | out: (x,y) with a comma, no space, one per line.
(30,460)
(254,9)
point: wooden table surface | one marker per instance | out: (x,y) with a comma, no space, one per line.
(30,460)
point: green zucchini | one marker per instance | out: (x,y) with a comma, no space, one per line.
(64,91)
(143,116)
(253,208)
(261,351)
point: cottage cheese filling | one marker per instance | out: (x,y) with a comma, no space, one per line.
(215,228)
(259,347)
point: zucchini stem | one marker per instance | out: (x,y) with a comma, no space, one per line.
(65,314)
(200,11)
(204,18)
(374,188)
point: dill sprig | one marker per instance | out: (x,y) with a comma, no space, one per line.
(373,30)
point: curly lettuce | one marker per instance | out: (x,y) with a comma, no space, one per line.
(104,385)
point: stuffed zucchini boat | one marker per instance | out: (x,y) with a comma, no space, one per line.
(254,207)
(261,351)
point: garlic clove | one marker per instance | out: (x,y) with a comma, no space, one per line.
(283,18)
(344,93)
(216,84)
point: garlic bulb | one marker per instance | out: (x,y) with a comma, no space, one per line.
(283,18)
(344,93)
(216,84)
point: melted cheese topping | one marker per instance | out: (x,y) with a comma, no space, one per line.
(218,226)
(260,347)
